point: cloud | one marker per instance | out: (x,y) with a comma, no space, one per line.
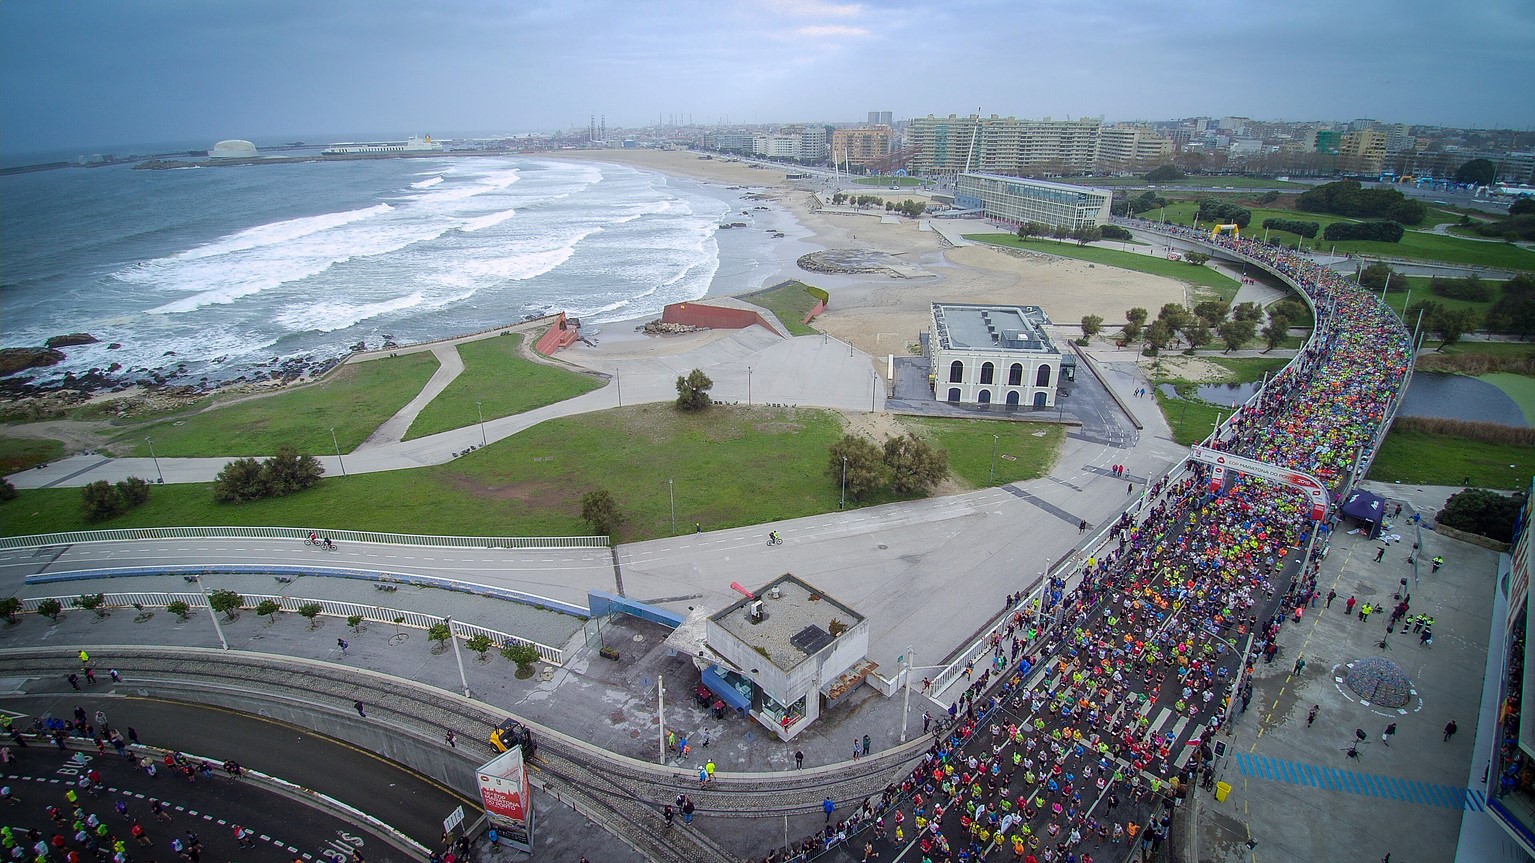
(831,31)
(817,8)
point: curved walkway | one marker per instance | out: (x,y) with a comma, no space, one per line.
(449,366)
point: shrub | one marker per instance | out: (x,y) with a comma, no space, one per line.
(1469,288)
(1198,259)
(93,602)
(524,655)
(1211,210)
(9,608)
(310,611)
(693,391)
(100,500)
(179,608)
(7,491)
(355,622)
(1304,229)
(1115,232)
(287,472)
(241,480)
(440,633)
(1383,232)
(133,492)
(51,609)
(1482,512)
(479,643)
(600,510)
(863,470)
(1348,198)
(226,601)
(268,608)
(1164,174)
(1092,325)
(914,465)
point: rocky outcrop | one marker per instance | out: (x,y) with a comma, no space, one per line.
(13,360)
(71,339)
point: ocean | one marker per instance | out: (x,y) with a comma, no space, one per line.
(210,274)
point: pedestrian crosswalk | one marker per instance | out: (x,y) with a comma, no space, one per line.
(1355,782)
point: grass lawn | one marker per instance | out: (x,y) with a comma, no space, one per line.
(355,400)
(1191,420)
(1490,349)
(1414,457)
(1418,289)
(20,453)
(888,181)
(1197,181)
(1024,450)
(727,466)
(1520,388)
(1247,370)
(1156,265)
(790,301)
(504,383)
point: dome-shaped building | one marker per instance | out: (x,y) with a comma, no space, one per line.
(233,149)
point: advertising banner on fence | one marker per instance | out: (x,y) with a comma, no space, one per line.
(507,797)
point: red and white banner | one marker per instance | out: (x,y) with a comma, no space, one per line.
(508,800)
(1263,470)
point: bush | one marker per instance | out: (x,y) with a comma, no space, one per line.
(1379,275)
(693,391)
(1520,225)
(7,491)
(93,602)
(309,611)
(1115,232)
(914,465)
(524,655)
(1469,288)
(288,472)
(100,500)
(856,465)
(268,608)
(1382,232)
(600,510)
(1348,198)
(1304,229)
(9,607)
(1514,312)
(1482,512)
(226,601)
(1211,210)
(51,609)
(1164,174)
(179,608)
(440,633)
(240,481)
(1198,259)
(479,643)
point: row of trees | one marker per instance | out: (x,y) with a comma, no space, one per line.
(905,465)
(1205,323)
(859,201)
(1083,236)
(247,479)
(1349,198)
(103,500)
(1512,313)
(1139,204)
(1382,232)
(909,208)
(1222,212)
(1519,224)
(1294,226)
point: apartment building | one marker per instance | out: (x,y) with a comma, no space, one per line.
(1003,145)
(861,146)
(1132,148)
(1363,152)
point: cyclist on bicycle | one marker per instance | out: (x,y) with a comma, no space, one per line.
(327,543)
(314,538)
(773,536)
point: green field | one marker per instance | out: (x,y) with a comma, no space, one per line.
(726,467)
(1414,457)
(790,302)
(888,181)
(20,453)
(1024,450)
(354,400)
(1204,277)
(1195,181)
(502,381)
(1520,388)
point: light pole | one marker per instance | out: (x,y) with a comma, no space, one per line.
(661,719)
(152,455)
(619,380)
(748,386)
(843,503)
(874,393)
(906,699)
(672,497)
(993,459)
(457,656)
(212,615)
(338,450)
(481,413)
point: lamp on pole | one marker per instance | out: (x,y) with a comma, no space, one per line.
(906,699)
(212,615)
(994,459)
(338,450)
(152,455)
(843,503)
(672,497)
(618,379)
(459,657)
(661,719)
(748,386)
(481,414)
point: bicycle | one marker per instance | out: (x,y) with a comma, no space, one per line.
(774,540)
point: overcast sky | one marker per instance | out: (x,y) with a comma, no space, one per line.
(114,72)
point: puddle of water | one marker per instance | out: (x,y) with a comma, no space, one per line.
(1229,395)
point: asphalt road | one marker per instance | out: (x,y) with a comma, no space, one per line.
(410,803)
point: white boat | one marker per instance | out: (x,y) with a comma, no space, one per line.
(411,145)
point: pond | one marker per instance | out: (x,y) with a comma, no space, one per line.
(1458,397)
(1229,395)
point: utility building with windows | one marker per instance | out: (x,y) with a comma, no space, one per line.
(1015,200)
(989,354)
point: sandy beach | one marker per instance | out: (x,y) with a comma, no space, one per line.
(881,314)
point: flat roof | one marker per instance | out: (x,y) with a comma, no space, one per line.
(1063,187)
(794,627)
(977,326)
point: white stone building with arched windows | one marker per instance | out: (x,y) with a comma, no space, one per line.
(989,354)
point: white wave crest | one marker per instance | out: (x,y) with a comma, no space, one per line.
(280,232)
(480,223)
(427,183)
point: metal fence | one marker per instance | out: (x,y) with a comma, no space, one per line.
(328,607)
(141,533)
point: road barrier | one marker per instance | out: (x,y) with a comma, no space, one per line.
(422,539)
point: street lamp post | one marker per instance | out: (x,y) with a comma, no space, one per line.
(459,657)
(906,700)
(843,503)
(152,455)
(481,414)
(618,380)
(212,615)
(748,386)
(994,459)
(338,450)
(672,497)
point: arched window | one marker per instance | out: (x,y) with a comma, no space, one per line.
(956,372)
(953,394)
(987,372)
(1042,378)
(984,397)
(1015,375)
(1012,396)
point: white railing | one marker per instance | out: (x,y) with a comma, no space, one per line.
(140,533)
(328,607)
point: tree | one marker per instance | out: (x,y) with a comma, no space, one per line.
(1522,207)
(1164,174)
(51,609)
(914,465)
(92,602)
(1482,512)
(439,633)
(1378,275)
(1278,328)
(693,391)
(241,480)
(100,500)
(1158,336)
(865,465)
(287,472)
(1092,325)
(226,601)
(1174,315)
(268,608)
(524,655)
(1212,312)
(1137,316)
(1481,172)
(1196,332)
(1236,332)
(1198,259)
(7,491)
(1115,232)
(1248,311)
(1130,333)
(1514,312)
(838,199)
(479,643)
(179,608)
(1090,234)
(132,491)
(310,611)
(9,608)
(355,622)
(600,510)
(1451,324)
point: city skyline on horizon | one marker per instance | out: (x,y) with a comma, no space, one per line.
(87,75)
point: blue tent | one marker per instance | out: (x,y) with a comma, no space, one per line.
(1368,508)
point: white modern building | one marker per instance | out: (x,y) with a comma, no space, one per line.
(784,653)
(1015,200)
(233,149)
(987,354)
(410,145)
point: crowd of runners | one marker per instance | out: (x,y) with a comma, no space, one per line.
(1093,708)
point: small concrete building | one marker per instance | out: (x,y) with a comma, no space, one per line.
(989,354)
(785,651)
